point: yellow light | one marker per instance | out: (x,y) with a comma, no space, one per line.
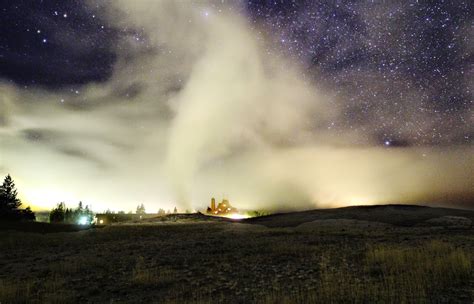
(237,216)
(101,221)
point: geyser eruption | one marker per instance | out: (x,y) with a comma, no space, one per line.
(235,97)
(246,124)
(234,100)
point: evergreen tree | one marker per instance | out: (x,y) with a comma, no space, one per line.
(88,213)
(9,202)
(175,210)
(68,216)
(28,215)
(141,209)
(80,209)
(77,213)
(57,214)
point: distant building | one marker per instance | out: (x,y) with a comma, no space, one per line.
(223,208)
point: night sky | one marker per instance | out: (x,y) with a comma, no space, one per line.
(171,102)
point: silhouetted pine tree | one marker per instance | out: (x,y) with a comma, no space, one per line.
(79,210)
(27,214)
(88,213)
(9,202)
(57,215)
(68,216)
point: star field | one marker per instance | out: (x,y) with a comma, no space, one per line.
(404,65)
(382,56)
(53,44)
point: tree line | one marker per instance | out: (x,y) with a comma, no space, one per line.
(141,210)
(10,208)
(79,215)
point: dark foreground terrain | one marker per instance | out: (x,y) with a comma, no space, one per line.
(388,254)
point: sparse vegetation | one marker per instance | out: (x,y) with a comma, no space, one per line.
(145,275)
(15,292)
(217,261)
(392,274)
(257,213)
(424,272)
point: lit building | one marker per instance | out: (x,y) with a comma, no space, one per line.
(223,208)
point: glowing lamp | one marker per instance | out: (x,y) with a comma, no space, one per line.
(83,220)
(237,216)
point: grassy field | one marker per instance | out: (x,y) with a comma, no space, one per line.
(192,259)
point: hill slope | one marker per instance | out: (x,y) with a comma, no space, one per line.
(400,215)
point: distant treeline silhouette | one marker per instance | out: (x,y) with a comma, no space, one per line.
(79,215)
(10,203)
(141,210)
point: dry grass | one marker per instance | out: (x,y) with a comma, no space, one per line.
(145,275)
(209,263)
(418,274)
(54,291)
(50,291)
(15,292)
(392,274)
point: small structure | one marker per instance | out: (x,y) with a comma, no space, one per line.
(223,208)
